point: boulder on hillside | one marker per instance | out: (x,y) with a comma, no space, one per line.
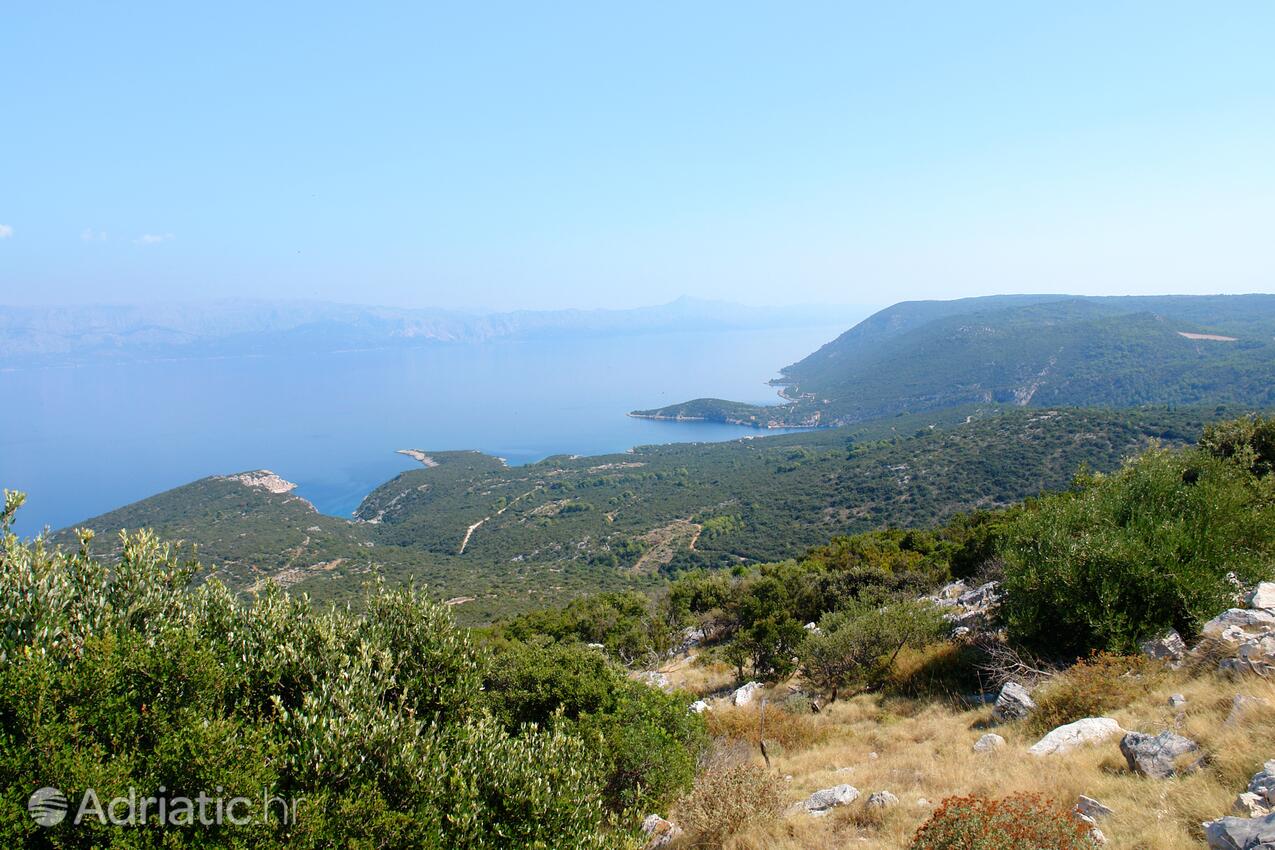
(987,743)
(699,706)
(968,607)
(691,639)
(1160,756)
(1090,810)
(881,800)
(1259,799)
(745,694)
(1237,624)
(1241,833)
(655,679)
(1171,648)
(1249,805)
(1263,596)
(1250,633)
(1013,702)
(1090,730)
(659,832)
(823,801)
(1263,783)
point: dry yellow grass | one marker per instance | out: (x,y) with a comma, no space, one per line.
(791,732)
(923,753)
(699,677)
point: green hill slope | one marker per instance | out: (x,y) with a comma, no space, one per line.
(1025,351)
(497,539)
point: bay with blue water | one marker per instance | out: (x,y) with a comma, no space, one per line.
(84,440)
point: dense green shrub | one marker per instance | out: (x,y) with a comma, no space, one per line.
(1248,441)
(1018,822)
(131,678)
(1127,556)
(625,622)
(646,740)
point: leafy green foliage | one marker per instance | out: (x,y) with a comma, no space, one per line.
(1128,556)
(1248,441)
(626,623)
(647,740)
(131,677)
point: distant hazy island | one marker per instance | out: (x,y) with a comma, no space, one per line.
(42,336)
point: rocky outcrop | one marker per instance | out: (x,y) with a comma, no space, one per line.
(1241,833)
(659,832)
(262,479)
(1013,703)
(699,706)
(824,801)
(1170,649)
(1090,730)
(966,607)
(1237,624)
(1160,756)
(745,694)
(1090,810)
(987,743)
(691,638)
(1263,596)
(1259,799)
(1246,634)
(655,679)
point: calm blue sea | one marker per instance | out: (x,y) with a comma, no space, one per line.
(81,441)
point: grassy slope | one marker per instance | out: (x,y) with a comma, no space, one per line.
(924,752)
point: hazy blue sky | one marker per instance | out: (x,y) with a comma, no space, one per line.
(604,154)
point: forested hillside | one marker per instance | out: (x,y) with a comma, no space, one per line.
(495,539)
(1038,351)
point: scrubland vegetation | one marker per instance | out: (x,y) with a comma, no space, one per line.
(550,729)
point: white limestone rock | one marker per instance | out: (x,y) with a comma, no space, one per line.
(823,801)
(1090,730)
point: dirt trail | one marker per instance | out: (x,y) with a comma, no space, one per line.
(469,532)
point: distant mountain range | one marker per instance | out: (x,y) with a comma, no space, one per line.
(1025,350)
(42,336)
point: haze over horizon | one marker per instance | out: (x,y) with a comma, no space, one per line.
(574,156)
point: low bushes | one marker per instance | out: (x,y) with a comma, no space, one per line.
(856,647)
(646,741)
(1090,688)
(730,794)
(1017,822)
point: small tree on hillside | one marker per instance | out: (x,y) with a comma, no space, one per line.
(857,646)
